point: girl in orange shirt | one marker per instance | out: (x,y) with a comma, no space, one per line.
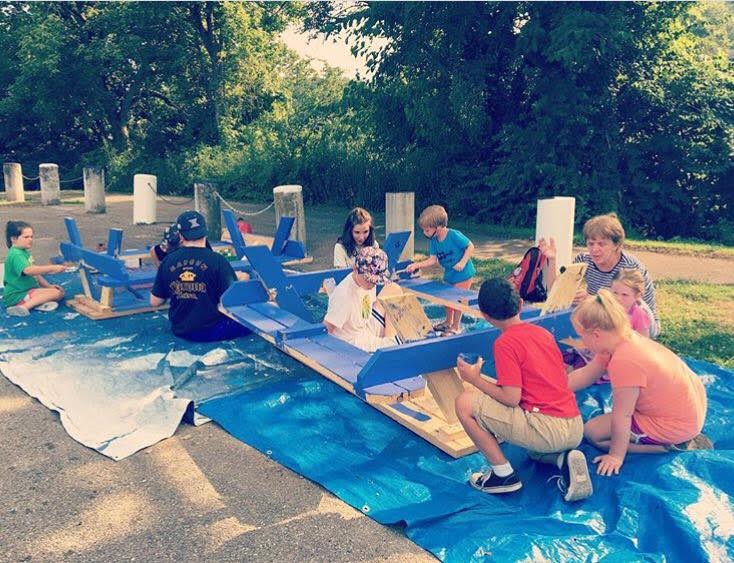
(658,403)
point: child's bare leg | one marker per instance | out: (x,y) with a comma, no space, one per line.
(485,441)
(456,320)
(43,295)
(449,316)
(598,431)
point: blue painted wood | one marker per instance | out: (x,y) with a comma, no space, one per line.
(244,293)
(345,366)
(427,356)
(309,283)
(402,409)
(393,247)
(238,242)
(70,252)
(284,317)
(294,249)
(73,231)
(255,321)
(303,331)
(441,290)
(282,234)
(114,242)
(106,265)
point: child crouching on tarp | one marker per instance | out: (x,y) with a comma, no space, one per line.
(530,406)
(658,403)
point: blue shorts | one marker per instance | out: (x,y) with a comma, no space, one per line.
(225,329)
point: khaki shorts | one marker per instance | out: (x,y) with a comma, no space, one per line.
(536,432)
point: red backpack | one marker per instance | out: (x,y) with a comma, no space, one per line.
(527,277)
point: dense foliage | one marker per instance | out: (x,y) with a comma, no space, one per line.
(482,106)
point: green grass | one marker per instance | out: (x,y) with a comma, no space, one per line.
(697,318)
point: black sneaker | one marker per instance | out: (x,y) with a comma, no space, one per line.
(490,483)
(575,481)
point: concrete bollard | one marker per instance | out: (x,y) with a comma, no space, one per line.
(94,196)
(207,203)
(400,216)
(13,173)
(145,190)
(555,219)
(48,175)
(289,202)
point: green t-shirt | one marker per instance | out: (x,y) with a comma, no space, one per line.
(16,283)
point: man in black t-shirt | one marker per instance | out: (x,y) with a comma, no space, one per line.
(194,278)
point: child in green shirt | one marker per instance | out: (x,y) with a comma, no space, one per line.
(25,288)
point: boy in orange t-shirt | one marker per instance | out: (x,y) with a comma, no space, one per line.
(658,403)
(530,405)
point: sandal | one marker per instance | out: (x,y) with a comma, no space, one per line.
(441,327)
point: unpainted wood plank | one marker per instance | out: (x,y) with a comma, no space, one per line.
(407,317)
(445,385)
(564,288)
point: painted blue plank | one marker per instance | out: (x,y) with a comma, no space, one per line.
(73,231)
(345,366)
(432,355)
(282,234)
(244,293)
(254,320)
(309,283)
(402,409)
(393,247)
(305,331)
(284,317)
(268,270)
(294,249)
(238,243)
(106,265)
(114,242)
(70,252)
(441,290)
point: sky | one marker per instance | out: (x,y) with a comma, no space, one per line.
(335,52)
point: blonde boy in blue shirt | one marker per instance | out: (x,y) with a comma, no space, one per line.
(453,251)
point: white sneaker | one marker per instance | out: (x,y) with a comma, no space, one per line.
(17,311)
(575,482)
(48,306)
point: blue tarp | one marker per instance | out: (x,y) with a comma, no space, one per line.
(668,507)
(122,384)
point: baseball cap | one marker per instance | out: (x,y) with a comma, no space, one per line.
(371,263)
(191,225)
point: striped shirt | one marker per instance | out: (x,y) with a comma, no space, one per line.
(596,280)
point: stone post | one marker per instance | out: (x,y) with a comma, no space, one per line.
(145,190)
(400,216)
(13,173)
(48,175)
(94,195)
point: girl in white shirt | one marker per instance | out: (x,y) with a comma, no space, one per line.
(359,232)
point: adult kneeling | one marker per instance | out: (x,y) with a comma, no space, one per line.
(605,257)
(194,278)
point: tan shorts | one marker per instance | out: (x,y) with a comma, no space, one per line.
(536,432)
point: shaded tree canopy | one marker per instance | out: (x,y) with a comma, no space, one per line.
(481,106)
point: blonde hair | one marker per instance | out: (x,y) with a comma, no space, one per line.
(604,226)
(632,278)
(432,217)
(602,311)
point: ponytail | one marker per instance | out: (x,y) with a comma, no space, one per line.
(602,311)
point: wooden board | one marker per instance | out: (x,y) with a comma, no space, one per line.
(406,316)
(97,312)
(564,288)
(445,386)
